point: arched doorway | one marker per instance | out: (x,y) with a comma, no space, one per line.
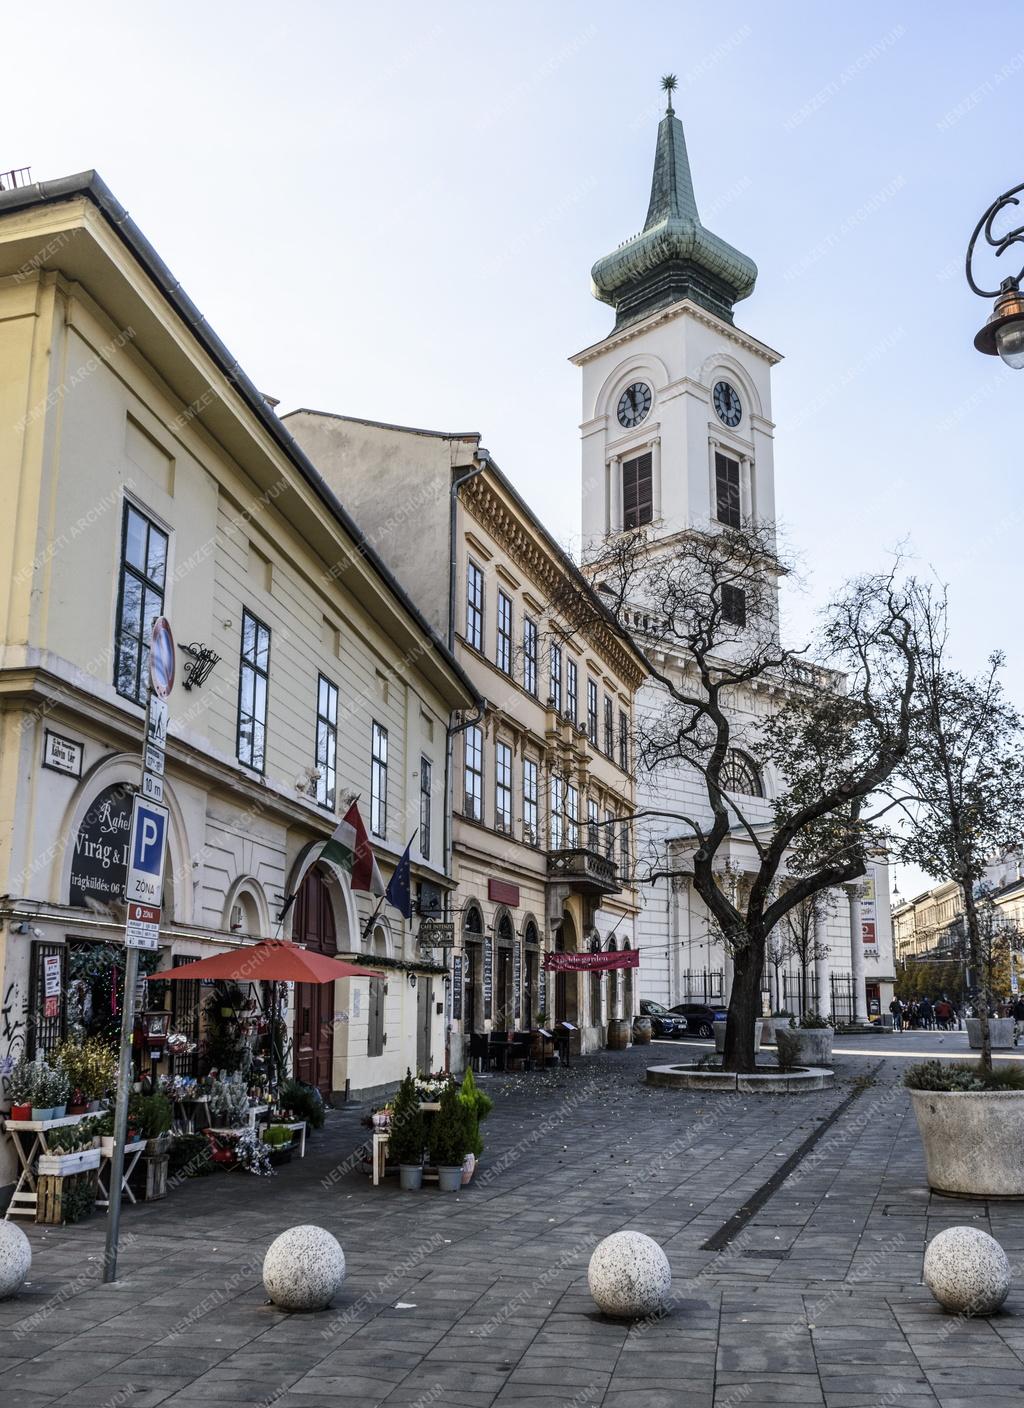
(531,974)
(472,969)
(567,988)
(613,985)
(314,1002)
(504,1020)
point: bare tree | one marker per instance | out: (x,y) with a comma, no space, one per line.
(705,613)
(961,783)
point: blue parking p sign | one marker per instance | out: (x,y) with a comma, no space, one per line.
(145,880)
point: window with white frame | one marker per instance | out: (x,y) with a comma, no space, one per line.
(593,825)
(253,683)
(572,690)
(592,711)
(326,741)
(474,606)
(531,831)
(637,491)
(609,834)
(503,653)
(556,826)
(727,491)
(572,813)
(529,655)
(609,728)
(623,742)
(473,806)
(502,787)
(555,676)
(426,778)
(378,779)
(140,600)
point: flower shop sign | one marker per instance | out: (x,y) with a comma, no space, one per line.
(592,962)
(100,859)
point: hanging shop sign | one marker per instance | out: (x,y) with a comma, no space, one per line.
(591,962)
(437,934)
(100,857)
(62,754)
(456,988)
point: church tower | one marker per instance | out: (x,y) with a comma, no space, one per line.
(676,423)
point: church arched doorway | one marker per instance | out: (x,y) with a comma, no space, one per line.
(314,1002)
(566,984)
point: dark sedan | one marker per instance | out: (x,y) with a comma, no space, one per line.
(663,1022)
(699,1017)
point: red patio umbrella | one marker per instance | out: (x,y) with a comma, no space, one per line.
(269,961)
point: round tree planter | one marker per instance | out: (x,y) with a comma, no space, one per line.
(719,1028)
(1000,1030)
(972,1141)
(767,1081)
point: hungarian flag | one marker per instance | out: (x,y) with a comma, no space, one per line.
(349,849)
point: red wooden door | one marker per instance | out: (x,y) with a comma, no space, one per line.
(314,1002)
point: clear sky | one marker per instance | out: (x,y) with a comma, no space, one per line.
(391,211)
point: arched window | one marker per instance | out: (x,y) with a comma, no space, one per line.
(472,971)
(595,984)
(627,985)
(740,774)
(613,984)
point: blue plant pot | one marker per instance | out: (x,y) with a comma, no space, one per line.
(42,1113)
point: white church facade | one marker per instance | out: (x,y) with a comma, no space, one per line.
(677,434)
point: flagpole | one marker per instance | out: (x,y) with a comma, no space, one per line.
(373,916)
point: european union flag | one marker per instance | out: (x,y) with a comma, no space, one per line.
(399,891)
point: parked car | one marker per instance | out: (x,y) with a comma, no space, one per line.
(664,1022)
(699,1018)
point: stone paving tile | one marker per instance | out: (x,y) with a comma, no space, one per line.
(497,1273)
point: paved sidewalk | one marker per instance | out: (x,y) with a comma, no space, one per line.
(481,1298)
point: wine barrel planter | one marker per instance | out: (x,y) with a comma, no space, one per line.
(642,1031)
(618,1034)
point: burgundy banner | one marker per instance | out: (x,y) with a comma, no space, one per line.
(592,962)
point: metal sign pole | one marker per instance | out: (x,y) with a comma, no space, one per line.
(124,1074)
(143,889)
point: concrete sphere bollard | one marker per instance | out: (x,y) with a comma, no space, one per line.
(629,1275)
(303,1268)
(967,1271)
(15,1258)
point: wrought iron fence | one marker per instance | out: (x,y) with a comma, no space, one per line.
(842,998)
(703,985)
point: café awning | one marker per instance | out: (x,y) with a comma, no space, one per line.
(269,961)
(602,962)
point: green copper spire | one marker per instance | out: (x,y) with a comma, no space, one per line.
(674,256)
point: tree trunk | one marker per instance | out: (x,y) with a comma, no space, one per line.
(744,1008)
(980,962)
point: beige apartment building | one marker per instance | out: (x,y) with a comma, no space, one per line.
(542,776)
(143,474)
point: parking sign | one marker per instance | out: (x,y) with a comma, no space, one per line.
(145,878)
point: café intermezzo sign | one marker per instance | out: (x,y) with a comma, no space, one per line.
(100,859)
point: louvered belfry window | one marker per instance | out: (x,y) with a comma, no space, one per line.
(637,491)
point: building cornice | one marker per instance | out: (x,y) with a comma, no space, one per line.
(666,315)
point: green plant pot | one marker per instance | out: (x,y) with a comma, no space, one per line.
(449,1180)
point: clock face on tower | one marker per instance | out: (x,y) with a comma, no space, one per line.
(727,404)
(634,404)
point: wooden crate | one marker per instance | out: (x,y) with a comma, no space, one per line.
(52,1193)
(156,1177)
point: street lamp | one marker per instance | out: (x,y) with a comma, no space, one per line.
(1003,333)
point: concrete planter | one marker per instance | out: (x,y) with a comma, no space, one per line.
(814,1044)
(1000,1030)
(720,1035)
(972,1141)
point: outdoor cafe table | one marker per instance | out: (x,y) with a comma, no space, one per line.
(24,1197)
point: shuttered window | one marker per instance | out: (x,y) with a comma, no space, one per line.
(637,492)
(727,491)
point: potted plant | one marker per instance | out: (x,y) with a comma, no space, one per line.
(971,1122)
(49,1090)
(478,1107)
(719,1030)
(91,1066)
(60,1089)
(303,1101)
(449,1140)
(278,1138)
(407,1135)
(19,1088)
(813,1037)
(152,1115)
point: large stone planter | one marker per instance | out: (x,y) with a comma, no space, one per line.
(972,1141)
(814,1044)
(1000,1030)
(719,1028)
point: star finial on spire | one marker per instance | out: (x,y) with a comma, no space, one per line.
(668,86)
